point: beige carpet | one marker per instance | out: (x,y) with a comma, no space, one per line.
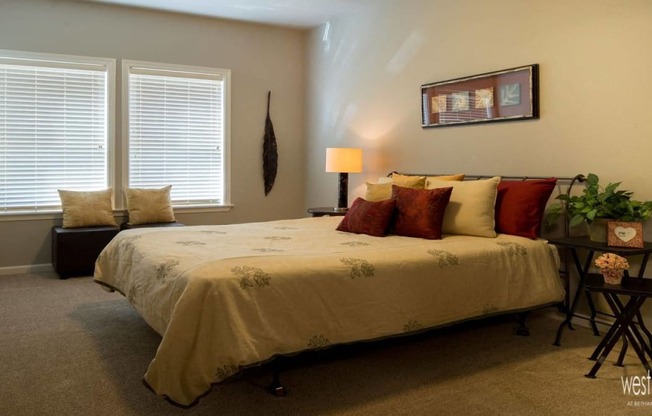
(69,348)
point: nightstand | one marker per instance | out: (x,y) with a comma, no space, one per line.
(584,243)
(327,211)
(625,327)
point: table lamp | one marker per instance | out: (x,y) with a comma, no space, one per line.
(343,161)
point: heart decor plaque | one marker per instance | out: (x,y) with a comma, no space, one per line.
(625,234)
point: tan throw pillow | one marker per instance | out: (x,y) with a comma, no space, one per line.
(383,191)
(86,209)
(149,206)
(458,177)
(470,210)
(409,181)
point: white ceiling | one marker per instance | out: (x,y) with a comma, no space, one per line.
(295,13)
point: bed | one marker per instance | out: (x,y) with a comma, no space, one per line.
(230,296)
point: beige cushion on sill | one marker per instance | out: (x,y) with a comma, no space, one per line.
(87,208)
(149,206)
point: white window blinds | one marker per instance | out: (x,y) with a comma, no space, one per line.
(53,130)
(177,131)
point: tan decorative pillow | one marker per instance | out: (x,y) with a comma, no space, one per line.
(409,181)
(149,206)
(86,208)
(470,210)
(383,191)
(458,177)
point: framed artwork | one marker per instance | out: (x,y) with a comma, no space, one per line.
(625,234)
(507,95)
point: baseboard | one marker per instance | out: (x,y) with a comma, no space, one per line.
(25,269)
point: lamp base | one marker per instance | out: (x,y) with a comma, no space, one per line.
(343,192)
(339,209)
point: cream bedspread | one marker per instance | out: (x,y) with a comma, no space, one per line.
(224,297)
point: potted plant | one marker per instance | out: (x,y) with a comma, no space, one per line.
(612,267)
(597,205)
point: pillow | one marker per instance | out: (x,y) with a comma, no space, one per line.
(520,206)
(409,181)
(86,209)
(383,191)
(420,212)
(366,217)
(471,207)
(458,177)
(148,206)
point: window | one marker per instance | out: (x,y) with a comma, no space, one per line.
(177,130)
(54,128)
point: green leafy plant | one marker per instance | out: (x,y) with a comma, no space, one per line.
(601,202)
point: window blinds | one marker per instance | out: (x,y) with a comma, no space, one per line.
(176,134)
(53,132)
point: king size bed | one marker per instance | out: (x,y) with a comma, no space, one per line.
(227,297)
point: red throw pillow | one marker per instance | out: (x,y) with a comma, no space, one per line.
(520,206)
(366,217)
(420,212)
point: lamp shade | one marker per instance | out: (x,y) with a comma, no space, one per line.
(342,159)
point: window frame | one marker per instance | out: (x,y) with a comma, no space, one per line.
(63,61)
(127,64)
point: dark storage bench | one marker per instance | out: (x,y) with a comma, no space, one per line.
(74,250)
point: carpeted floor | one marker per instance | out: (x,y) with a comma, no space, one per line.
(67,347)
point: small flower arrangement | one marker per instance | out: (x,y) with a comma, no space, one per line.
(612,267)
(611,261)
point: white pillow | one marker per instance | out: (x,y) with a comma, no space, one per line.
(86,209)
(471,209)
(149,206)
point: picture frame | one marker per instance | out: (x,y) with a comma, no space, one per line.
(506,95)
(625,234)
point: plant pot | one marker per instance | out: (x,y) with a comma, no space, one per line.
(598,230)
(613,277)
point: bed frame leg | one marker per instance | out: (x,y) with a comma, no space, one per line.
(522,328)
(275,388)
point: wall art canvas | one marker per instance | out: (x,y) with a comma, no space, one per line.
(505,95)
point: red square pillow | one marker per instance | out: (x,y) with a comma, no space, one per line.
(420,212)
(520,206)
(366,217)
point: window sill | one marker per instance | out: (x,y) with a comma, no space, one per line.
(58,215)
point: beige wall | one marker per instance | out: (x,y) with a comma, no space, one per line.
(365,73)
(364,82)
(261,58)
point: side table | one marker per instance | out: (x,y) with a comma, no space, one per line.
(638,290)
(327,211)
(576,243)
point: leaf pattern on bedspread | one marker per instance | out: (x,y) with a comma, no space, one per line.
(226,370)
(359,267)
(250,276)
(212,232)
(164,269)
(286,228)
(318,341)
(513,249)
(354,243)
(412,326)
(128,242)
(277,238)
(445,258)
(191,243)
(268,250)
